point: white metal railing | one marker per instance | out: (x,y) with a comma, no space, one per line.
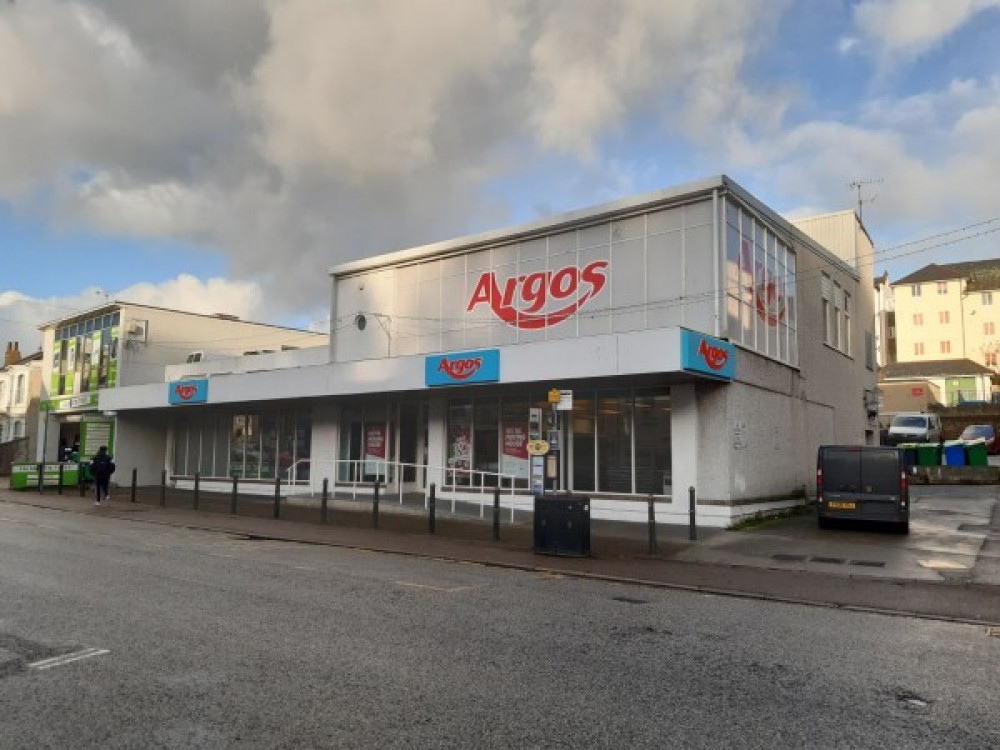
(352,475)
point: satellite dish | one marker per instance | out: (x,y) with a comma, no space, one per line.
(360,321)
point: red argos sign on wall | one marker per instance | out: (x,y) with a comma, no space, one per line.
(541,299)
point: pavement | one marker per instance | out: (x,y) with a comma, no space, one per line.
(947,568)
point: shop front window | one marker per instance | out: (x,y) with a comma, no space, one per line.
(614,442)
(584,443)
(652,443)
(268,445)
(486,441)
(514,441)
(459,442)
(237,445)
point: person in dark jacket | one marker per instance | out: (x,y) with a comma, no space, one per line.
(102,467)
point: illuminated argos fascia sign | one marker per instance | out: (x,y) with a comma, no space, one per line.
(459,368)
(541,299)
(188,391)
(707,355)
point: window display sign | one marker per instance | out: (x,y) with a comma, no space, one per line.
(514,460)
(188,391)
(460,448)
(375,441)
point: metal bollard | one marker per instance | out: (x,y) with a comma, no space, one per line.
(323,500)
(496,513)
(80,481)
(692,525)
(277,497)
(234,496)
(41,478)
(375,506)
(60,485)
(163,488)
(135,481)
(431,508)
(197,488)
(652,526)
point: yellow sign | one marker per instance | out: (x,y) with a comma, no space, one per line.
(537,447)
(553,395)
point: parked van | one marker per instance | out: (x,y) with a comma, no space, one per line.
(914,427)
(862,483)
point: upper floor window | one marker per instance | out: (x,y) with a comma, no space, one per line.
(987,299)
(946,347)
(942,287)
(19,392)
(944,317)
(991,359)
(989,328)
(914,290)
(3,392)
(18,429)
(918,348)
(918,319)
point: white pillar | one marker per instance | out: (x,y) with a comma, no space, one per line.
(684,443)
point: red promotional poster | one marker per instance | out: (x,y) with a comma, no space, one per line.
(375,442)
(515,450)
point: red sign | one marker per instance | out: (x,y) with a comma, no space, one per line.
(515,441)
(768,291)
(917,391)
(523,299)
(460,369)
(185,392)
(715,357)
(375,442)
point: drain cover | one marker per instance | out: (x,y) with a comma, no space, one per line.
(789,558)
(830,560)
(868,563)
(629,600)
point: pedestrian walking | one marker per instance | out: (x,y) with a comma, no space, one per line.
(102,467)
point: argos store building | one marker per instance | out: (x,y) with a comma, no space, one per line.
(688,338)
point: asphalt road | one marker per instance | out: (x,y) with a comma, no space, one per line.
(116,634)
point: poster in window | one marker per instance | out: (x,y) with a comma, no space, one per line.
(515,451)
(460,448)
(375,449)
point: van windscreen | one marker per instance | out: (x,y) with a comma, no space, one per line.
(918,422)
(841,470)
(880,470)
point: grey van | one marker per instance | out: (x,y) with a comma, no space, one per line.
(914,427)
(862,483)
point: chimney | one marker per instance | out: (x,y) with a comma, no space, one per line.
(12,355)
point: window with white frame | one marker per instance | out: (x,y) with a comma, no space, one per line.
(836,315)
(18,429)
(918,319)
(915,290)
(946,347)
(989,328)
(918,348)
(944,316)
(987,299)
(991,359)
(19,391)
(942,287)
(3,393)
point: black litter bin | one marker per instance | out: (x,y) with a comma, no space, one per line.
(562,525)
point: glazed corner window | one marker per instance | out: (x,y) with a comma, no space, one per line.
(915,290)
(942,287)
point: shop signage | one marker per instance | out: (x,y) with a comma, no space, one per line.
(514,459)
(537,447)
(707,355)
(541,299)
(188,391)
(482,366)
(70,403)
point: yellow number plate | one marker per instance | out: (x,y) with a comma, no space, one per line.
(840,506)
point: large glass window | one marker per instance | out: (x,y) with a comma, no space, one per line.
(614,442)
(652,443)
(459,441)
(584,443)
(486,440)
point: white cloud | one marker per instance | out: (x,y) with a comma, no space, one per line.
(912,27)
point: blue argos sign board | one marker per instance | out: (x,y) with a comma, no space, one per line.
(481,366)
(188,391)
(707,355)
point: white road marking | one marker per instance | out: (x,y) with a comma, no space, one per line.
(448,590)
(58,661)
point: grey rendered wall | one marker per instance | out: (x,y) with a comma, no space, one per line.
(141,444)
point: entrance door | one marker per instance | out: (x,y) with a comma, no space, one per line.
(412,448)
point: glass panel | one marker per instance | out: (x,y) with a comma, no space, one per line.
(514,458)
(486,441)
(269,445)
(614,442)
(303,445)
(459,441)
(237,443)
(652,442)
(583,443)
(251,453)
(350,444)
(221,430)
(180,445)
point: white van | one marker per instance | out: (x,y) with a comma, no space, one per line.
(914,427)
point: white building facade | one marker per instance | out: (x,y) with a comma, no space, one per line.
(694,340)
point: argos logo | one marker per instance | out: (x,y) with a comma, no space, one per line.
(185,392)
(460,369)
(715,356)
(523,301)
(188,391)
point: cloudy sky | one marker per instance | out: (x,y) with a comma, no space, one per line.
(221,155)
